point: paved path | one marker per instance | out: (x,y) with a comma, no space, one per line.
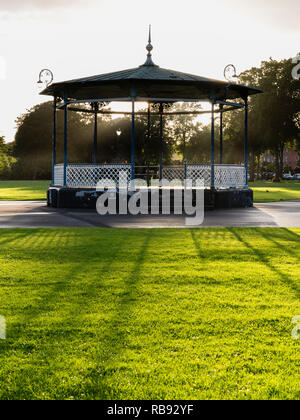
(30,214)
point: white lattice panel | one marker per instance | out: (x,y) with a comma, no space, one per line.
(59,175)
(230,176)
(87,176)
(195,172)
(225,175)
(171,173)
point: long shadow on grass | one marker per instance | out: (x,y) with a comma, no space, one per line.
(294,236)
(20,332)
(285,249)
(196,244)
(285,278)
(13,236)
(115,335)
(92,287)
(58,288)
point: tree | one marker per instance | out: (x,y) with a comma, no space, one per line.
(114,148)
(198,149)
(274,116)
(6,158)
(33,141)
(184,128)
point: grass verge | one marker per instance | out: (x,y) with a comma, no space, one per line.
(23,190)
(149,314)
(268,191)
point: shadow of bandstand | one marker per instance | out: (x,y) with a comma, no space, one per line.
(261,257)
(110,339)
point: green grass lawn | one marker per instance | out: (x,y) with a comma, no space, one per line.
(23,190)
(149,314)
(268,191)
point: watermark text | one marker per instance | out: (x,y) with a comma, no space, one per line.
(296,330)
(296,69)
(160,197)
(2,328)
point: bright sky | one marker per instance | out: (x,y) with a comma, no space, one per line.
(76,38)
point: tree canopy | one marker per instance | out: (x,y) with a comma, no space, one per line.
(274,116)
(274,122)
(6,158)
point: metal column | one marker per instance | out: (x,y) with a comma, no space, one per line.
(133,141)
(148,144)
(65,139)
(54,141)
(212,184)
(221,134)
(246,141)
(161,135)
(95,147)
(148,133)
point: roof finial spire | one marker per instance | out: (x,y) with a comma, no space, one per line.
(149,48)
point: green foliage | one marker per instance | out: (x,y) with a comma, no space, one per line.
(273,116)
(149,314)
(185,130)
(199,147)
(6,158)
(278,109)
(116,149)
(33,141)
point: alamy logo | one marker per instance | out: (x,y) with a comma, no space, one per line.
(296,69)
(161,197)
(296,330)
(2,328)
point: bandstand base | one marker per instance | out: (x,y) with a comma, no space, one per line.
(85,198)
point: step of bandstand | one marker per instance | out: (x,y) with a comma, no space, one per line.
(87,197)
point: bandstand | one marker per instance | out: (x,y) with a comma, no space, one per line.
(74,185)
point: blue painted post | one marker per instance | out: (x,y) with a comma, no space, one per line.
(133,140)
(212,184)
(185,173)
(148,133)
(246,141)
(95,134)
(65,139)
(148,144)
(221,135)
(161,109)
(54,141)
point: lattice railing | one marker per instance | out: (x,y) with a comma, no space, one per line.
(58,175)
(226,176)
(230,176)
(195,172)
(173,172)
(87,176)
